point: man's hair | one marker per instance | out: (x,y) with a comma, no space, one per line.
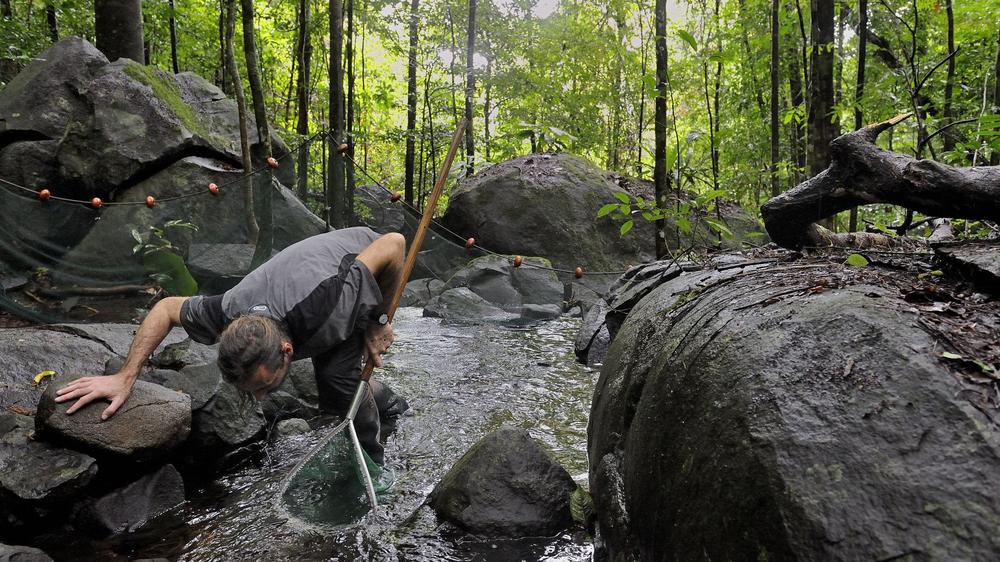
(247,343)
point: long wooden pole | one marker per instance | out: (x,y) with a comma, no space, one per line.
(418,238)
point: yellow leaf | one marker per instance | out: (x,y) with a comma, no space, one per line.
(41,376)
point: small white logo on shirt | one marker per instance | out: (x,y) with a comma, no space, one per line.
(259,308)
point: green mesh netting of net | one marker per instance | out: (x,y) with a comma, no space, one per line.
(328,488)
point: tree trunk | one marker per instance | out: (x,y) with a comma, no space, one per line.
(262,251)
(50,20)
(470,90)
(118,28)
(488,83)
(859,89)
(173,39)
(641,125)
(451,67)
(948,137)
(304,55)
(8,67)
(862,173)
(411,104)
(336,191)
(253,230)
(796,89)
(822,127)
(222,80)
(6,12)
(349,69)
(995,158)
(775,78)
(661,181)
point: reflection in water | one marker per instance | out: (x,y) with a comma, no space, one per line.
(462,382)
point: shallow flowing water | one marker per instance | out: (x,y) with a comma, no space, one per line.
(461,382)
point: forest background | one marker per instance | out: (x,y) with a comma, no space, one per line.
(751,91)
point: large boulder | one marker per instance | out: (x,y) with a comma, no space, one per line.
(506,485)
(512,289)
(546,205)
(128,507)
(13,553)
(462,305)
(227,421)
(122,131)
(788,413)
(149,425)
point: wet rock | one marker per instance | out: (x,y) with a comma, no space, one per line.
(377,211)
(463,305)
(593,339)
(293,221)
(293,426)
(541,311)
(281,405)
(32,471)
(198,383)
(117,337)
(506,486)
(526,291)
(742,423)
(303,378)
(27,351)
(183,353)
(152,422)
(219,267)
(129,507)
(420,291)
(227,421)
(11,553)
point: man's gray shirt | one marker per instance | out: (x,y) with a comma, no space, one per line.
(315,288)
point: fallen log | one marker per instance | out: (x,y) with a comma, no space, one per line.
(861,173)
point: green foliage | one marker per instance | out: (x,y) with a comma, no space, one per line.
(856,260)
(162,261)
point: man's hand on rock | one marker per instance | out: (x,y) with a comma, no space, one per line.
(378,338)
(115,388)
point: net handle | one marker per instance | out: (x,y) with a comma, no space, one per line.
(418,238)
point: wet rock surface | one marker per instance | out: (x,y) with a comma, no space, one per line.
(32,471)
(794,411)
(152,422)
(127,508)
(11,553)
(505,485)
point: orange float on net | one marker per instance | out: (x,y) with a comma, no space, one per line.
(470,243)
(150,201)
(44,194)
(578,272)
(96,202)
(272,162)
(213,189)
(342,148)
(396,196)
(517,261)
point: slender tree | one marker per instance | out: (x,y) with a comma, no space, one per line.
(173,38)
(859,88)
(411,103)
(948,137)
(253,230)
(775,78)
(304,56)
(336,192)
(822,125)
(349,133)
(661,181)
(470,89)
(118,28)
(262,198)
(53,25)
(995,158)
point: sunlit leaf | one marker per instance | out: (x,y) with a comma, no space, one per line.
(857,260)
(626,226)
(607,209)
(950,355)
(621,196)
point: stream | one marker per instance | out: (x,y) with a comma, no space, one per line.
(462,382)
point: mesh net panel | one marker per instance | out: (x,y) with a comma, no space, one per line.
(328,489)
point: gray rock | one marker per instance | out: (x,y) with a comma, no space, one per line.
(815,427)
(293,426)
(977,260)
(148,425)
(541,311)
(506,485)
(199,382)
(27,351)
(129,507)
(420,291)
(183,353)
(293,221)
(463,305)
(281,405)
(531,293)
(229,420)
(32,471)
(10,553)
(377,211)
(303,378)
(219,267)
(117,337)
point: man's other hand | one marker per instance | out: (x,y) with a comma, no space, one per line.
(115,388)
(378,338)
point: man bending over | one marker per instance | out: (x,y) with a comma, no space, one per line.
(323,297)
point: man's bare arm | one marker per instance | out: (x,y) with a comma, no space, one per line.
(384,258)
(116,388)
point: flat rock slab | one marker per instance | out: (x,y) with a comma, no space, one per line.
(148,425)
(28,351)
(462,304)
(978,259)
(32,471)
(506,485)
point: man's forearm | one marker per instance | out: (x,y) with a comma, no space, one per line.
(153,329)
